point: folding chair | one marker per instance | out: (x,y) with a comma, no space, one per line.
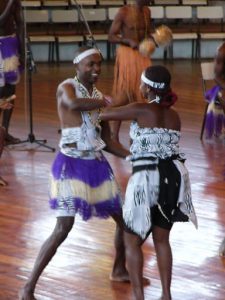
(210,13)
(54,4)
(157,13)
(40,18)
(111,48)
(194,2)
(95,16)
(184,13)
(207,72)
(111,3)
(66,17)
(31,4)
(87,2)
(166,2)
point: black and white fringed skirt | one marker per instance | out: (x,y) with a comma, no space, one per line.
(161,182)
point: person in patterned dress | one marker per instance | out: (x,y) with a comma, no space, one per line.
(82,180)
(158,193)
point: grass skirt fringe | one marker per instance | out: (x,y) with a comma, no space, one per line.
(215,117)
(86,186)
(9,59)
(129,66)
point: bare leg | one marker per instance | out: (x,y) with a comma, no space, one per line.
(164,259)
(121,99)
(119,271)
(48,250)
(134,257)
(9,90)
(222,248)
(2,139)
(115,128)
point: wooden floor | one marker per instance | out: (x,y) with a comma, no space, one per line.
(81,268)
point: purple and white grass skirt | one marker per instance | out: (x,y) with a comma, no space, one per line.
(9,59)
(84,186)
(215,117)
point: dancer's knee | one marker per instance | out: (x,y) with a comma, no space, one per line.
(132,241)
(62,229)
(160,235)
(2,132)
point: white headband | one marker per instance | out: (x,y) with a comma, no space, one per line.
(156,85)
(84,54)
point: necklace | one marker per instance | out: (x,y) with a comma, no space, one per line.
(93,115)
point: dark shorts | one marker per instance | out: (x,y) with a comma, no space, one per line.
(157,220)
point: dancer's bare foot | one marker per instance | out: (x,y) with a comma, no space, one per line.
(165,298)
(3,182)
(11,140)
(222,249)
(120,277)
(125,278)
(26,294)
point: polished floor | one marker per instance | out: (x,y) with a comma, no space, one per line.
(81,268)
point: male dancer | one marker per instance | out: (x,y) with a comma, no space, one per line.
(82,180)
(130,27)
(11,55)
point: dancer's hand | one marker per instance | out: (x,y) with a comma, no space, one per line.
(108,100)
(5,105)
(133,44)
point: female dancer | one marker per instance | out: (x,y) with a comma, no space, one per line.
(158,192)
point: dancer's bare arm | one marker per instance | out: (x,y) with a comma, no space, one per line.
(117,32)
(122,113)
(6,12)
(145,115)
(66,95)
(112,146)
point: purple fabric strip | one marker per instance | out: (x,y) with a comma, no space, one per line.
(209,125)
(11,77)
(104,209)
(214,124)
(214,121)
(219,124)
(9,47)
(211,94)
(91,171)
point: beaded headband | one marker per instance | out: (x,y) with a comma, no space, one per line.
(84,54)
(156,85)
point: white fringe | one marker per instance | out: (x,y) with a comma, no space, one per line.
(185,198)
(11,64)
(64,189)
(142,193)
